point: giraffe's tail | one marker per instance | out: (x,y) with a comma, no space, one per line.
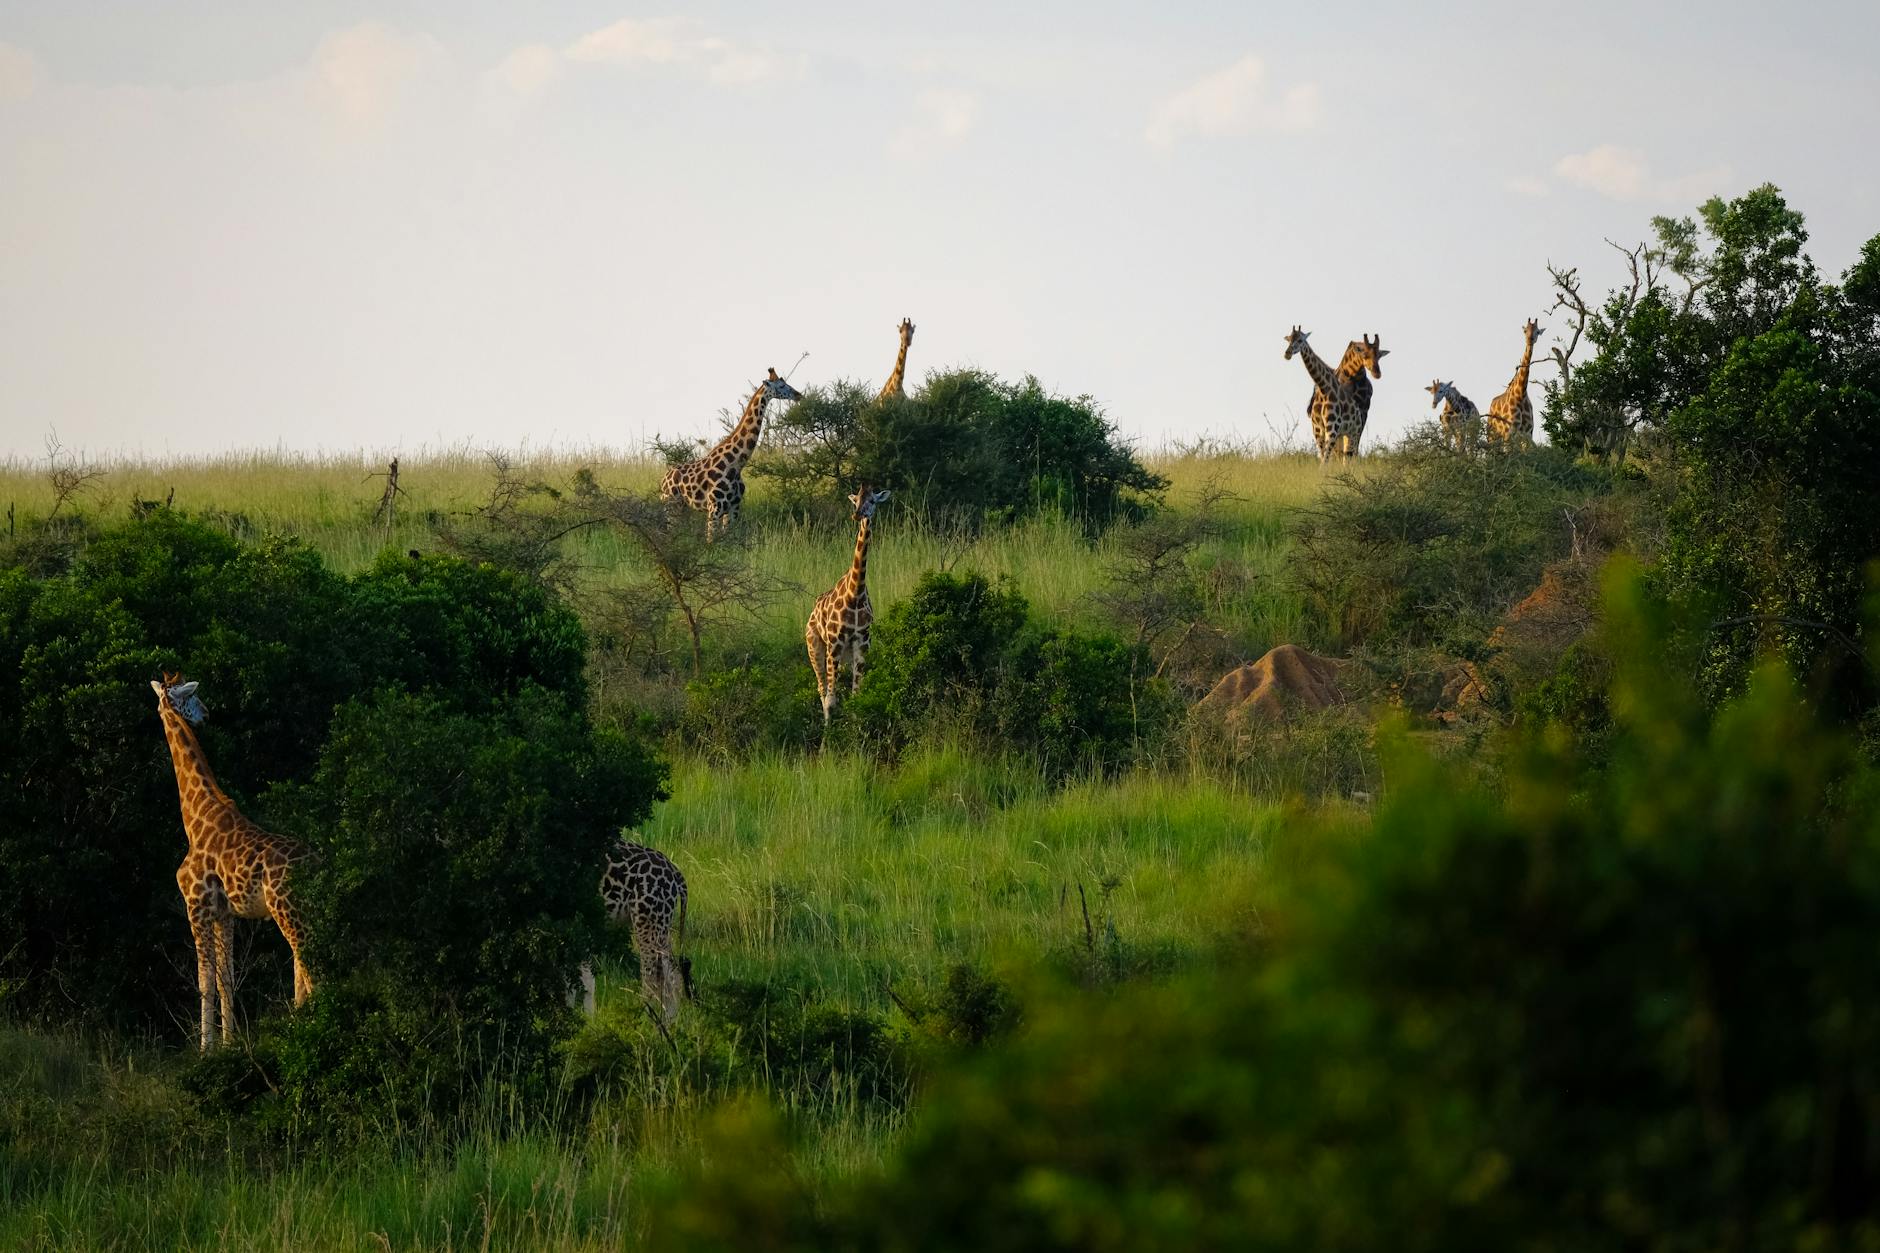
(679,932)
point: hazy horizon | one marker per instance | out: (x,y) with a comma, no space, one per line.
(397,226)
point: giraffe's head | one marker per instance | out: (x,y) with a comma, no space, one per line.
(174,694)
(1532,331)
(779,389)
(1438,391)
(907,332)
(1295,342)
(865,499)
(1370,353)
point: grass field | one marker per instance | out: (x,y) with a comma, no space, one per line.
(330,501)
(842,879)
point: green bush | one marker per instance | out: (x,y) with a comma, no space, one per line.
(961,447)
(963,651)
(753,706)
(458,854)
(1431,547)
(90,920)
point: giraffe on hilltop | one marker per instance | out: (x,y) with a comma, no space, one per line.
(233,868)
(838,626)
(892,389)
(1341,398)
(642,887)
(714,483)
(1462,421)
(1511,414)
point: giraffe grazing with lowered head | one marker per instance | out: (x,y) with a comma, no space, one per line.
(1340,398)
(714,484)
(642,887)
(1462,421)
(892,389)
(1511,414)
(838,626)
(233,869)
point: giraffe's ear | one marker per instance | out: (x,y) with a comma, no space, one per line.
(1383,352)
(883,494)
(185,691)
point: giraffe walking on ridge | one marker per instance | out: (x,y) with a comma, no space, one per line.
(714,484)
(1340,398)
(1462,421)
(642,887)
(892,389)
(838,626)
(1511,414)
(233,869)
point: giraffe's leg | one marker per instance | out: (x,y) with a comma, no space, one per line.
(813,640)
(225,973)
(587,989)
(287,918)
(859,659)
(202,930)
(831,667)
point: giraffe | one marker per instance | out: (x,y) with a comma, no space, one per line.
(233,869)
(1335,408)
(714,484)
(838,626)
(1462,421)
(641,886)
(892,389)
(1511,414)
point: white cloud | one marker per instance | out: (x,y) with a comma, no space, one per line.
(365,70)
(943,119)
(1621,173)
(680,41)
(20,74)
(527,71)
(1233,101)
(1528,185)
(656,39)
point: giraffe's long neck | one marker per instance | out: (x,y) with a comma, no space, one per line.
(893,386)
(858,569)
(1351,365)
(196,787)
(1321,373)
(1520,381)
(737,447)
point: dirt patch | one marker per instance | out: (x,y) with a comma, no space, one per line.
(1287,679)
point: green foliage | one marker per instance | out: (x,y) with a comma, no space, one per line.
(965,651)
(458,854)
(963,446)
(88,900)
(755,706)
(1432,547)
(1627,1008)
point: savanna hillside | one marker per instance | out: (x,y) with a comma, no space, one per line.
(1551,927)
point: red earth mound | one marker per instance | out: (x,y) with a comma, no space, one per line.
(1288,678)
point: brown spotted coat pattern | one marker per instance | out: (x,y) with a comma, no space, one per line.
(892,389)
(1511,414)
(233,868)
(714,484)
(837,631)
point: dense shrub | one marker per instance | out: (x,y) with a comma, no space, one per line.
(88,903)
(963,651)
(458,854)
(1431,546)
(1631,1008)
(753,706)
(962,446)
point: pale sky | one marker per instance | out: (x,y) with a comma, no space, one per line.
(393,225)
